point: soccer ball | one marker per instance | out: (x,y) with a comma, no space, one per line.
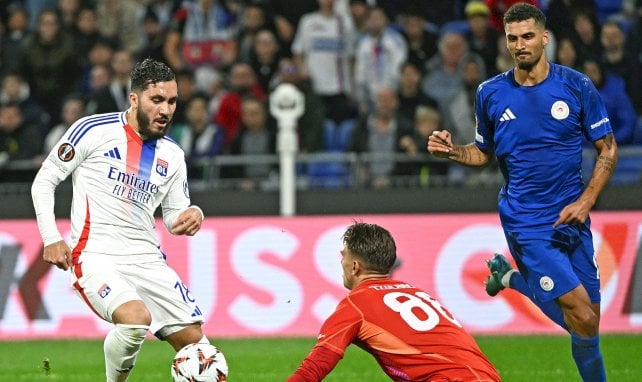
(199,363)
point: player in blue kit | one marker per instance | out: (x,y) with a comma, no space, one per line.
(533,119)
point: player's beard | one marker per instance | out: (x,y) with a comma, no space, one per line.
(144,125)
(528,65)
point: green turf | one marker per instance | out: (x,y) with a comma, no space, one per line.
(518,358)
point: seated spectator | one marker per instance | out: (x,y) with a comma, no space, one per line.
(16,89)
(410,93)
(18,141)
(618,104)
(567,55)
(264,57)
(114,97)
(17,30)
(619,59)
(253,20)
(119,20)
(378,59)
(73,108)
(256,137)
(378,134)
(242,83)
(420,38)
(586,33)
(481,36)
(202,32)
(198,136)
(85,32)
(154,35)
(421,172)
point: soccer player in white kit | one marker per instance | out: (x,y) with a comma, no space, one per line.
(123,167)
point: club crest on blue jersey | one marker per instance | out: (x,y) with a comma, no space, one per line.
(104,291)
(161,167)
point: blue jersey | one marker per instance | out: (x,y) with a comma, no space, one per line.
(536,134)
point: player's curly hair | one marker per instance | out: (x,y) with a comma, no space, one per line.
(148,72)
(524,11)
(373,244)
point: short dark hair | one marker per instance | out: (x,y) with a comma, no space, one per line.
(372,244)
(524,11)
(148,72)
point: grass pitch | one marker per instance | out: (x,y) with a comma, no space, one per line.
(518,358)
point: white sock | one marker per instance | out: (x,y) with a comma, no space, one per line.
(506,278)
(122,345)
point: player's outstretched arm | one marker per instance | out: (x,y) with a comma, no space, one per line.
(578,211)
(440,145)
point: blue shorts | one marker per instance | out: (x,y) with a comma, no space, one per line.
(556,261)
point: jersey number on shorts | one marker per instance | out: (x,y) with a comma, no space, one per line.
(408,305)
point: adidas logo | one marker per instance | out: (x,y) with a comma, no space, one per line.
(113,153)
(507,116)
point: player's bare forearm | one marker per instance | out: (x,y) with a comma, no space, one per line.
(604,166)
(440,145)
(578,211)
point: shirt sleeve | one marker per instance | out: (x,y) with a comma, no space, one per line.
(61,161)
(483,127)
(318,364)
(596,123)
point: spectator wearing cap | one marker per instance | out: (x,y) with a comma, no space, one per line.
(481,36)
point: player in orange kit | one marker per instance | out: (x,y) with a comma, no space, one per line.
(410,334)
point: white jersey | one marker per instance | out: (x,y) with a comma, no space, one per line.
(119,180)
(327,44)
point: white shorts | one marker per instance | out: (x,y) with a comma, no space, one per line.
(105,285)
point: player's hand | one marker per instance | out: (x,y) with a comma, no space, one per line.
(440,143)
(58,254)
(188,222)
(574,213)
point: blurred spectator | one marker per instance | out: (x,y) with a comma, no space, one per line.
(310,124)
(242,84)
(100,53)
(323,49)
(85,32)
(73,108)
(359,17)
(287,15)
(154,35)
(444,79)
(481,36)
(264,57)
(18,140)
(199,137)
(201,32)
(436,12)
(253,20)
(256,137)
(16,90)
(99,77)
(186,89)
(163,10)
(114,97)
(410,93)
(559,15)
(49,61)
(586,33)
(209,81)
(420,38)
(499,7)
(618,104)
(459,112)
(618,59)
(379,134)
(68,10)
(17,29)
(378,59)
(504,61)
(423,173)
(119,20)
(567,54)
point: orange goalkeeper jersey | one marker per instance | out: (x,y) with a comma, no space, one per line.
(409,333)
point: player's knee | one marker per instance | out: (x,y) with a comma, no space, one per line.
(130,336)
(133,313)
(584,322)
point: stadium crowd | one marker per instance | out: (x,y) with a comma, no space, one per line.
(378,76)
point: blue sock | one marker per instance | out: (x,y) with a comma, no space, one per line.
(550,308)
(588,358)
